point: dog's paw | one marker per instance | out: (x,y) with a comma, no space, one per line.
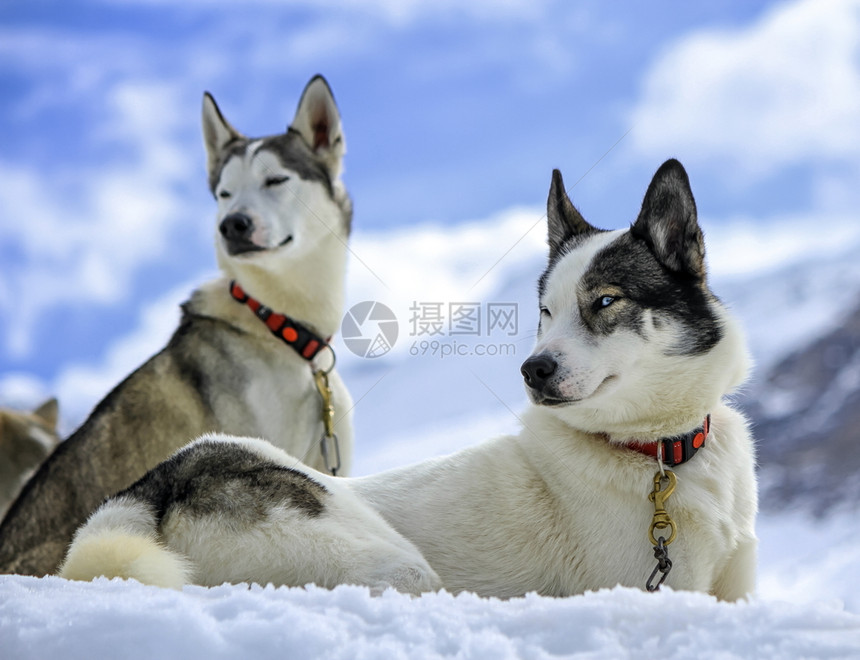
(413,579)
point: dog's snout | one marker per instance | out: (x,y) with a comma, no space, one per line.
(537,370)
(236,226)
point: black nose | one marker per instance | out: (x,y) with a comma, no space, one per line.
(537,370)
(236,227)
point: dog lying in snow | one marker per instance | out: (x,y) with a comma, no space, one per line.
(630,467)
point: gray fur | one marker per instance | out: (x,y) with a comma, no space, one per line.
(668,222)
(560,508)
(564,222)
(308,153)
(171,399)
(228,480)
(26,440)
(659,265)
(222,371)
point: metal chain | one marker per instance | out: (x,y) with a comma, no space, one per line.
(664,565)
(661,521)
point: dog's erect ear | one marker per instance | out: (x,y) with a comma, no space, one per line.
(563,220)
(48,412)
(668,221)
(317,120)
(217,133)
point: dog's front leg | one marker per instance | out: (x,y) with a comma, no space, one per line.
(737,579)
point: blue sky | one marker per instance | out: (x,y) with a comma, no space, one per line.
(453,112)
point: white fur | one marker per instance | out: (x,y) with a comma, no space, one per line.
(560,512)
(560,508)
(563,506)
(626,386)
(119,540)
(304,279)
(349,543)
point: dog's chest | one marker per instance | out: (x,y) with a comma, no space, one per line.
(612,544)
(287,406)
(278,400)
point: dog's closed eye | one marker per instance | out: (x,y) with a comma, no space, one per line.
(276,180)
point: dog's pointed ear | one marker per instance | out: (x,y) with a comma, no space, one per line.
(317,120)
(563,220)
(668,222)
(48,412)
(217,133)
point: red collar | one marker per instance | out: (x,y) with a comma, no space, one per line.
(680,448)
(301,338)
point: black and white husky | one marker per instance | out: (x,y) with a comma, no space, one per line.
(628,453)
(242,360)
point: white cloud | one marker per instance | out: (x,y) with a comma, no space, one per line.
(81,386)
(467,263)
(779,92)
(88,230)
(740,248)
(444,263)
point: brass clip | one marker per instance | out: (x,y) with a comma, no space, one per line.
(321,379)
(659,495)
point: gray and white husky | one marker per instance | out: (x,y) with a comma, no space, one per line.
(242,360)
(628,453)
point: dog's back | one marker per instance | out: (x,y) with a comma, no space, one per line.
(138,424)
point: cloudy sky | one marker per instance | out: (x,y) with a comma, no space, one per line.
(455,112)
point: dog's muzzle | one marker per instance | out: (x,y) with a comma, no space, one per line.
(537,371)
(236,229)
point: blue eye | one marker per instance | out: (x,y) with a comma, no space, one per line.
(606,301)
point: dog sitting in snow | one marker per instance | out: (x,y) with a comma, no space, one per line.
(250,353)
(630,467)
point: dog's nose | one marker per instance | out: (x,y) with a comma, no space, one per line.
(236,226)
(537,370)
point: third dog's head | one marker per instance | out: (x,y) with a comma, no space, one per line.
(280,196)
(631,340)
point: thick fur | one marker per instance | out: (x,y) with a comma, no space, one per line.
(26,440)
(281,231)
(237,510)
(632,347)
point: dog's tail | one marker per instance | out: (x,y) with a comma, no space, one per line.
(121,540)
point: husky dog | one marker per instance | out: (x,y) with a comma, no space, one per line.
(26,439)
(249,348)
(630,468)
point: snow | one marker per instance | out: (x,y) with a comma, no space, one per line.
(807,606)
(808,599)
(50,617)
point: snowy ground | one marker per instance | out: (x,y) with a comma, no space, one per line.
(53,618)
(808,606)
(808,603)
